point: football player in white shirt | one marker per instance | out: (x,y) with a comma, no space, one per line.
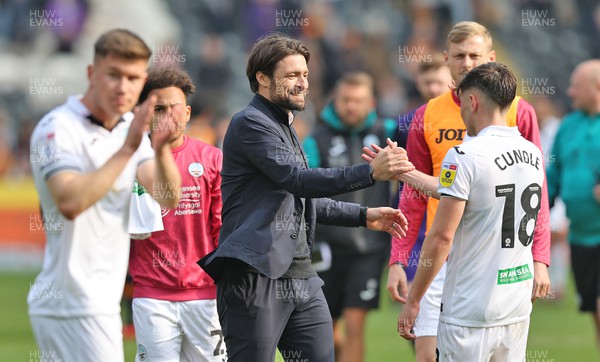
(490,190)
(85,155)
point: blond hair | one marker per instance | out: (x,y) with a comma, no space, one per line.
(468,29)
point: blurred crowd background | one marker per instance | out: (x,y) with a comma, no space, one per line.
(45,46)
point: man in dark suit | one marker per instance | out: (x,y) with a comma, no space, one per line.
(268,295)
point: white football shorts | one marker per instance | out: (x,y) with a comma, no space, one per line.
(475,344)
(426,324)
(177,331)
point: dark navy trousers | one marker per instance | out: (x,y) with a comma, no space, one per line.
(259,314)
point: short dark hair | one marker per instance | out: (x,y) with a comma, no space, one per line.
(268,51)
(164,77)
(121,43)
(495,80)
(357,78)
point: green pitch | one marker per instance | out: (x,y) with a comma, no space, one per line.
(557,333)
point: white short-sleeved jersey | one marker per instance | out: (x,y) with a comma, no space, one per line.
(85,260)
(490,267)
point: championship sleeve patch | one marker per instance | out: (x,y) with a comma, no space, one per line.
(448,174)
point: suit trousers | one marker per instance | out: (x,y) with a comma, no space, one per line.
(259,314)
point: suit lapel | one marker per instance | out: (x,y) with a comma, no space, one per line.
(295,135)
(278,127)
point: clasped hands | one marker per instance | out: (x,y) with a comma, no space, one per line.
(388,163)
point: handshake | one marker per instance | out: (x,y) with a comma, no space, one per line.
(388,163)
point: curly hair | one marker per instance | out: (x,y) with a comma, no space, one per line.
(164,77)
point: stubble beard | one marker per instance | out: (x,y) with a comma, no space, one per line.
(284,101)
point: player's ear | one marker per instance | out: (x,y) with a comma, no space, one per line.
(473,102)
(90,72)
(188,112)
(492,55)
(263,79)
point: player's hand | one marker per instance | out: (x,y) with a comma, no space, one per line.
(369,154)
(387,219)
(397,285)
(137,129)
(541,281)
(387,162)
(406,321)
(163,127)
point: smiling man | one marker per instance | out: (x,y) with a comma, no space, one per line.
(268,294)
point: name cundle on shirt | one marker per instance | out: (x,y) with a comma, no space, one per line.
(190,201)
(513,157)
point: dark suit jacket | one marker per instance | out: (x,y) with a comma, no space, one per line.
(263,181)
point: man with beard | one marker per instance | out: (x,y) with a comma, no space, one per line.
(268,294)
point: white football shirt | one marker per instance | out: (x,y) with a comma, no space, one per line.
(85,260)
(490,267)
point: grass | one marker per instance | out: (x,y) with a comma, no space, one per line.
(558,332)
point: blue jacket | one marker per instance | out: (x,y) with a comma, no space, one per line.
(264,180)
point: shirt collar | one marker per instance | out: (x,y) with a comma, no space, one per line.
(455,97)
(279,113)
(502,131)
(99,123)
(74,102)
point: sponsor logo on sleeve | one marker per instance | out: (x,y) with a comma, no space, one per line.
(448,174)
